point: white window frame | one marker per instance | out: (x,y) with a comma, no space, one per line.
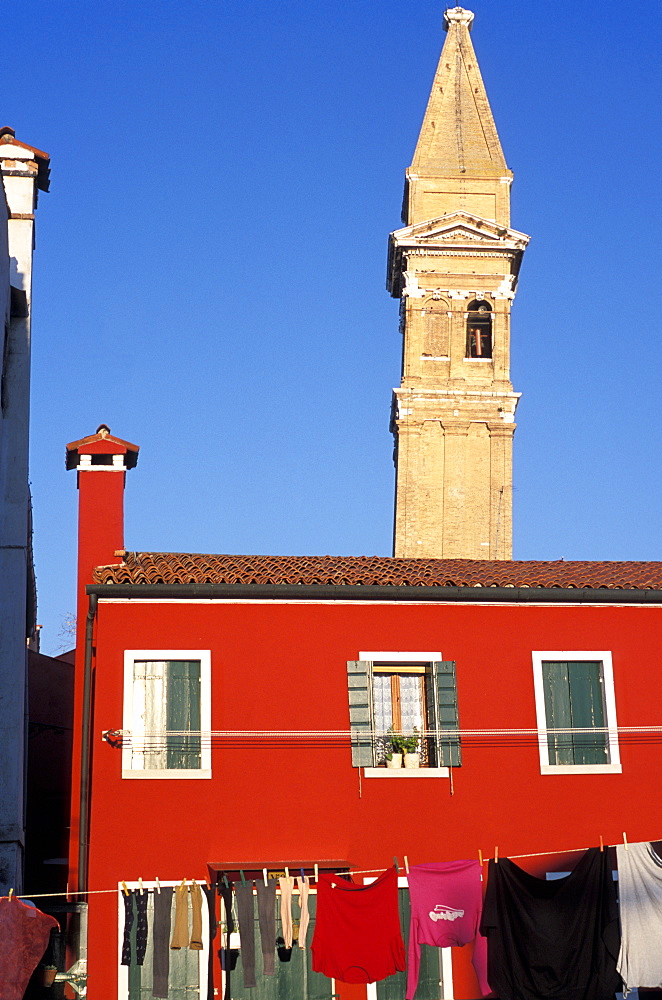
(446,958)
(203,955)
(380,658)
(614,767)
(133,726)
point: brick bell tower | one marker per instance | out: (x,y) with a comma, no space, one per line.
(454,268)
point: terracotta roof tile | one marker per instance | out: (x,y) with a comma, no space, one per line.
(194,568)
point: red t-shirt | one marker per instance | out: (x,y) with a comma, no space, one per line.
(357,929)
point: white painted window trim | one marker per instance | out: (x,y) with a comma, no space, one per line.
(614,767)
(446,958)
(401,657)
(203,955)
(129,724)
(424,658)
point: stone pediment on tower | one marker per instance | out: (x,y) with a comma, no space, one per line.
(459,232)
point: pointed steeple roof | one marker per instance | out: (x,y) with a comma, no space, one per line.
(458,131)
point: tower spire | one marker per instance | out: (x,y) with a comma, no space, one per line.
(458,151)
(455,269)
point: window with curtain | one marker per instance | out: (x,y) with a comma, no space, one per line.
(166,710)
(401,695)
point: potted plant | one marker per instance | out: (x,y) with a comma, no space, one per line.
(399,746)
(48,973)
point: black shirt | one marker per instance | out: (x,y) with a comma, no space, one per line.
(552,939)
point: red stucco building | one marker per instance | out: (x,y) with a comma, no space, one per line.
(279,677)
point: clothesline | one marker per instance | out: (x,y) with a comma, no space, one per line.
(115,734)
(365,871)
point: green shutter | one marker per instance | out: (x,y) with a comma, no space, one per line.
(574,699)
(183,713)
(359,687)
(444,707)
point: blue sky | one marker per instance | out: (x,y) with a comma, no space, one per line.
(209,273)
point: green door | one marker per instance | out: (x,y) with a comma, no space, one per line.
(430,976)
(294,979)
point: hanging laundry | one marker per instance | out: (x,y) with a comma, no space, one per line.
(160,939)
(227,925)
(180,938)
(552,938)
(286,887)
(195,942)
(210,893)
(446,904)
(357,935)
(135,906)
(24,936)
(266,911)
(640,906)
(246,918)
(304,891)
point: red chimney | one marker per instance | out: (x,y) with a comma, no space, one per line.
(101,461)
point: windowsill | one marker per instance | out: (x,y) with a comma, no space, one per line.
(581,769)
(405,772)
(202,773)
(483,361)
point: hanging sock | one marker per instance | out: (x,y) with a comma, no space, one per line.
(128,925)
(195,943)
(246,918)
(141,899)
(304,890)
(266,908)
(180,936)
(286,886)
(210,893)
(160,938)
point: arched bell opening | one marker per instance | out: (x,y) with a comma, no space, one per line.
(479,330)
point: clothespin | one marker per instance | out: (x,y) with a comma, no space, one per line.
(11,893)
(125,889)
(602,846)
(496,855)
(158,885)
(480,857)
(183,885)
(316,872)
(406,865)
(225,879)
(287,872)
(264,875)
(303,875)
(395,862)
(142,888)
(625,842)
(243,878)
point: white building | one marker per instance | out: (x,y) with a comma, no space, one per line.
(25,171)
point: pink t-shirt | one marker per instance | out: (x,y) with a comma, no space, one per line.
(446,905)
(24,934)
